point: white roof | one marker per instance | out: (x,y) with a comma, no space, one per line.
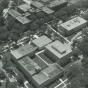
(73,23)
(41,41)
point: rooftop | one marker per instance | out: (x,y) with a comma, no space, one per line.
(50,72)
(40,78)
(59,49)
(47,10)
(14,13)
(41,41)
(53,70)
(27,1)
(28,65)
(73,23)
(45,0)
(23,51)
(24,7)
(37,4)
(56,3)
(23,19)
(26,14)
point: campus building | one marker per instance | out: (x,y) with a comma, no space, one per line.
(45,2)
(23,20)
(23,8)
(27,50)
(27,2)
(14,13)
(48,75)
(73,25)
(57,5)
(47,10)
(58,52)
(36,4)
(40,77)
(41,42)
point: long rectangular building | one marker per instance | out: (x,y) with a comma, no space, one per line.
(73,25)
(36,4)
(58,52)
(23,8)
(14,13)
(48,75)
(41,42)
(57,4)
(23,51)
(40,77)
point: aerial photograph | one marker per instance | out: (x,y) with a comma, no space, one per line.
(43,43)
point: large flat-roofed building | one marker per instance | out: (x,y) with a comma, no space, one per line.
(23,51)
(73,25)
(48,75)
(58,52)
(45,1)
(28,2)
(14,13)
(47,10)
(23,20)
(36,4)
(28,66)
(57,5)
(41,42)
(23,8)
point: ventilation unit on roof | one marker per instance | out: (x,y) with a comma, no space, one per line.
(58,49)
(37,69)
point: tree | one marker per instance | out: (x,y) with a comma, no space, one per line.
(84,4)
(76,53)
(33,17)
(74,71)
(43,27)
(13,5)
(83,46)
(69,10)
(85,62)
(20,79)
(14,37)
(51,17)
(4,3)
(33,26)
(23,28)
(11,22)
(40,22)
(16,26)
(2,74)
(40,14)
(12,85)
(85,31)
(58,14)
(75,83)
(1,10)
(2,20)
(7,56)
(64,18)
(46,19)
